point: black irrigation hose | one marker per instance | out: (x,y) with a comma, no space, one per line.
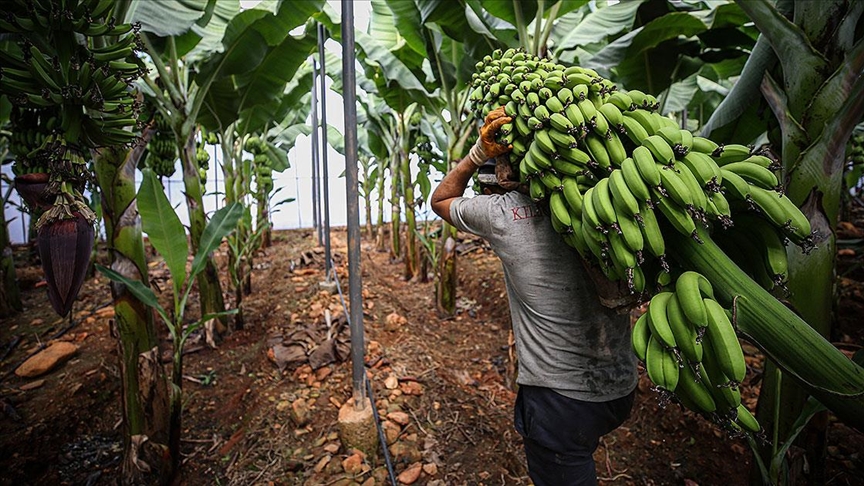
(381,437)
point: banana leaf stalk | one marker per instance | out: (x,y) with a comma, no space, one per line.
(145,399)
(785,338)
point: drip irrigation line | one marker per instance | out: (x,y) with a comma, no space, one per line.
(381,437)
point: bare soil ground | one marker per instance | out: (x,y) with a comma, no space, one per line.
(262,407)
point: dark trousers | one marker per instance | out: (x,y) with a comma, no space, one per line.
(561,434)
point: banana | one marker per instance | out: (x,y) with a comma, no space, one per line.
(634,131)
(589,213)
(575,156)
(570,190)
(700,200)
(603,202)
(562,139)
(592,237)
(799,230)
(672,136)
(612,113)
(644,118)
(542,113)
(589,111)
(560,215)
(566,168)
(532,99)
(718,206)
(724,343)
(675,186)
(576,79)
(677,216)
(686,141)
(535,123)
(661,365)
(774,248)
(600,124)
(621,255)
(735,185)
(684,331)
(659,148)
(544,141)
(550,180)
(522,127)
(631,232)
(561,123)
(640,336)
(620,100)
(622,197)
(545,93)
(688,289)
(646,166)
(615,149)
(565,95)
(576,238)
(725,396)
(638,98)
(597,150)
(651,233)
(769,203)
(574,114)
(659,322)
(704,145)
(580,91)
(704,169)
(732,152)
(746,419)
(695,390)
(525,112)
(753,173)
(536,189)
(634,181)
(518,96)
(41,69)
(538,156)
(554,105)
(763,161)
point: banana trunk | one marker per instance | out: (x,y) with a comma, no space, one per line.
(145,399)
(783,336)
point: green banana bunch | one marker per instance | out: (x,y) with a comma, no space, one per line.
(692,353)
(619,179)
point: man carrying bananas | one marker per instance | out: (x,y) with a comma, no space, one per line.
(577,373)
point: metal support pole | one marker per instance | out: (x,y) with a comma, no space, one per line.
(325,181)
(349,97)
(316,214)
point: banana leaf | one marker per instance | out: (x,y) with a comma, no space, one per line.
(163,227)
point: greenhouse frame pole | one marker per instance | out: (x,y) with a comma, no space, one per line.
(316,213)
(324,171)
(355,295)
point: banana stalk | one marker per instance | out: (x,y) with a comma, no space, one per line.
(784,337)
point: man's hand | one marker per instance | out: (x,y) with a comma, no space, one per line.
(486,146)
(490,127)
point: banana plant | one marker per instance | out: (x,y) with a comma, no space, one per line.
(90,116)
(368,183)
(168,237)
(802,86)
(215,82)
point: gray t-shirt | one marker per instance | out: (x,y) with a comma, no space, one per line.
(565,339)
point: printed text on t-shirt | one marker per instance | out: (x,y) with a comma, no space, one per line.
(526,212)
